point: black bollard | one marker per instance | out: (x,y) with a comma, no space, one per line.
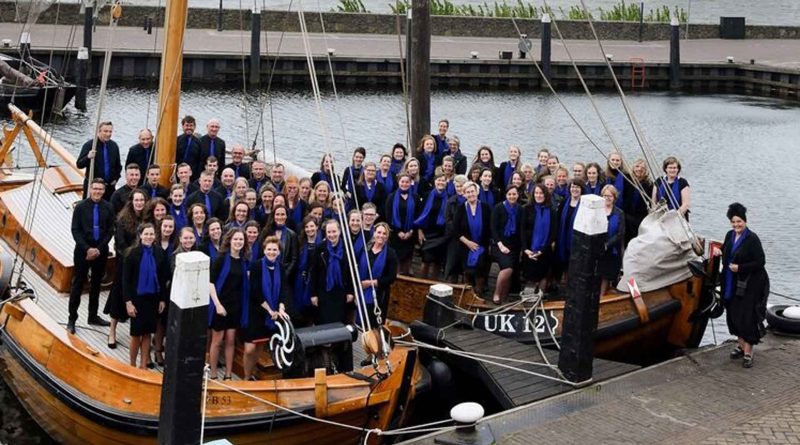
(25,46)
(149,25)
(255,46)
(641,20)
(546,37)
(583,293)
(182,386)
(675,55)
(439,306)
(219,17)
(81,78)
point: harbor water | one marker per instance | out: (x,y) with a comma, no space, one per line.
(732,148)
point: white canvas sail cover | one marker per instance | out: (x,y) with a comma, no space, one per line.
(657,257)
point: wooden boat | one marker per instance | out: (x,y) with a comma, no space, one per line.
(81,392)
(50,97)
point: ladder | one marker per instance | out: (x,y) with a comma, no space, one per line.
(638,74)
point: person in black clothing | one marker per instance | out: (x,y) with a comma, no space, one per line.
(333,289)
(400,212)
(453,263)
(145,274)
(269,296)
(120,195)
(441,139)
(105,157)
(187,148)
(258,175)
(507,168)
(211,199)
(240,169)
(369,189)
(142,153)
(538,229)
(506,238)
(428,161)
(610,263)
(673,188)
(459,160)
(352,173)
(287,237)
(211,144)
(229,309)
(92,229)
(432,224)
(473,229)
(634,202)
(303,279)
(745,284)
(152,187)
(377,279)
(566,222)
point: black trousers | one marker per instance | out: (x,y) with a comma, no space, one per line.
(82,268)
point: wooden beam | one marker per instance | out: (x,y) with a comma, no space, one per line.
(45,137)
(420,88)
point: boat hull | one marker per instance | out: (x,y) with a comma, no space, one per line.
(41,100)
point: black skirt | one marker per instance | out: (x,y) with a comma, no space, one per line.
(146,314)
(115,304)
(434,249)
(538,269)
(742,315)
(503,260)
(609,266)
(403,248)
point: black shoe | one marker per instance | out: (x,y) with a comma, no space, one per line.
(112,345)
(97,321)
(737,353)
(71,327)
(747,362)
(151,365)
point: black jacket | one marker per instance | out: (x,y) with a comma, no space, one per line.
(217,205)
(130,272)
(187,149)
(205,150)
(499,219)
(142,157)
(462,224)
(114,162)
(528,222)
(82,226)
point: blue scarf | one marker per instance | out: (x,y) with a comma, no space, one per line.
(302,290)
(562,190)
(405,224)
(148,275)
(619,183)
(451,188)
(388,182)
(565,232)
(509,170)
(356,173)
(297,213)
(397,166)
(369,190)
(541,228)
(212,251)
(730,288)
(613,226)
(461,199)
(593,190)
(422,220)
(179,215)
(441,145)
(358,243)
(414,189)
(676,192)
(271,286)
(324,177)
(486,196)
(475,224)
(333,274)
(223,275)
(429,164)
(377,271)
(511,223)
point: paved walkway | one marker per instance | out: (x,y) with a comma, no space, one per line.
(779,53)
(704,398)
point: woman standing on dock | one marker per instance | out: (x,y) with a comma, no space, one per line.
(538,237)
(426,155)
(431,223)
(745,284)
(230,296)
(400,213)
(128,221)
(672,188)
(610,262)
(506,241)
(333,287)
(145,273)
(453,265)
(352,173)
(473,229)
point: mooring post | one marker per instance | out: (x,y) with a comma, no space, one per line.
(25,46)
(583,293)
(219,17)
(88,22)
(187,326)
(420,88)
(641,19)
(439,309)
(255,46)
(675,55)
(546,38)
(81,77)
(409,57)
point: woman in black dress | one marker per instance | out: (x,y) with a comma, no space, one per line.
(431,223)
(487,193)
(382,269)
(506,241)
(427,157)
(453,263)
(566,221)
(333,286)
(352,173)
(286,236)
(610,263)
(230,295)
(128,221)
(369,189)
(304,277)
(635,202)
(269,295)
(745,284)
(539,227)
(672,188)
(473,229)
(167,240)
(145,273)
(401,209)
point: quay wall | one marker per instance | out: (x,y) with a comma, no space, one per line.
(272,20)
(384,73)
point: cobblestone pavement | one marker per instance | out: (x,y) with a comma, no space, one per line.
(703,398)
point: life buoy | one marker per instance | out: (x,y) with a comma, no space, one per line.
(778,321)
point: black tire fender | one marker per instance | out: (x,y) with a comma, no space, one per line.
(778,321)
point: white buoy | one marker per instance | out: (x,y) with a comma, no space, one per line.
(792,312)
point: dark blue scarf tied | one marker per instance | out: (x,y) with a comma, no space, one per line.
(387,181)
(613,226)
(333,274)
(302,288)
(562,190)
(730,287)
(179,215)
(475,223)
(405,222)
(377,271)
(565,232)
(397,166)
(507,172)
(325,177)
(486,196)
(422,220)
(271,286)
(148,274)
(441,145)
(450,189)
(541,228)
(369,190)
(511,222)
(674,201)
(429,161)
(590,190)
(619,183)
(223,275)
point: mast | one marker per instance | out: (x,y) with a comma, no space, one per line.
(170,86)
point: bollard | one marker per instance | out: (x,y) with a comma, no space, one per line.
(187,326)
(25,46)
(546,38)
(255,46)
(641,19)
(149,25)
(438,309)
(524,46)
(675,55)
(466,416)
(219,17)
(583,293)
(81,78)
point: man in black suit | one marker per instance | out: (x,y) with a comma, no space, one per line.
(104,156)
(120,195)
(152,188)
(211,144)
(238,166)
(92,229)
(142,154)
(187,149)
(211,199)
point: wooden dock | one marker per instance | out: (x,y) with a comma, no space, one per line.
(701,398)
(512,387)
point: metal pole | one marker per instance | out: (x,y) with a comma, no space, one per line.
(219,17)
(255,46)
(675,55)
(83,84)
(88,23)
(546,51)
(641,19)
(409,28)
(420,88)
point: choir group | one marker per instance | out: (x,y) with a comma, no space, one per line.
(276,242)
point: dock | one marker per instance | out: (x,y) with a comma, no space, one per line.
(703,397)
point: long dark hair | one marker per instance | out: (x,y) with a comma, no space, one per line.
(226,243)
(127,218)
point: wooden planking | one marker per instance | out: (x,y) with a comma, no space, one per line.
(511,387)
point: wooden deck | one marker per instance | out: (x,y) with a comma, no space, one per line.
(512,388)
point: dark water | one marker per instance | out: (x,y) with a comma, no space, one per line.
(732,148)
